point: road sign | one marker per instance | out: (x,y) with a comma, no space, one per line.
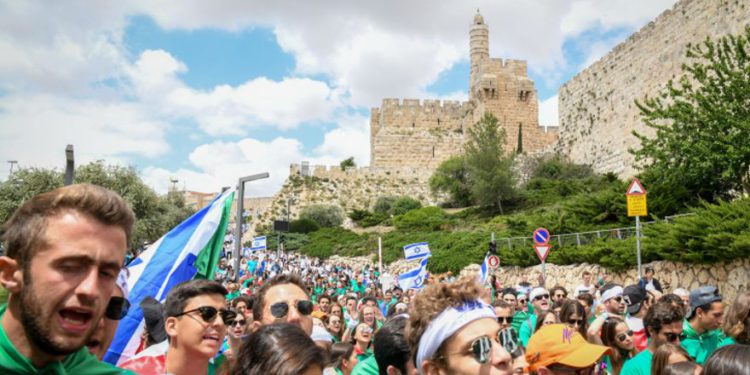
(493,261)
(542,251)
(636,199)
(541,236)
(637,205)
(636,188)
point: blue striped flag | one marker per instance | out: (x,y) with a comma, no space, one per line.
(190,250)
(415,278)
(485,269)
(417,251)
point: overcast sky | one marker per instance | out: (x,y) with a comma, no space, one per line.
(209,91)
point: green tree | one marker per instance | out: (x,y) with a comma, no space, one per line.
(155,215)
(451,177)
(303,226)
(700,150)
(348,163)
(324,215)
(383,204)
(490,176)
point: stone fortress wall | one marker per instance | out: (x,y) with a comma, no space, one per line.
(597,110)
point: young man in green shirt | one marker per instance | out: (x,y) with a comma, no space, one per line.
(540,301)
(663,323)
(701,328)
(64,251)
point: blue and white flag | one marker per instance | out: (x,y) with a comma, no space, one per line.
(259,243)
(190,250)
(485,269)
(417,251)
(415,278)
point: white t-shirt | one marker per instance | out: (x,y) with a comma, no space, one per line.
(580,289)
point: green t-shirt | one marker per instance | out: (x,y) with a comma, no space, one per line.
(700,346)
(79,363)
(367,367)
(367,354)
(527,329)
(638,365)
(518,319)
(727,341)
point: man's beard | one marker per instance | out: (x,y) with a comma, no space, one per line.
(36,327)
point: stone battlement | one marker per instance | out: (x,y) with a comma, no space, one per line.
(335,172)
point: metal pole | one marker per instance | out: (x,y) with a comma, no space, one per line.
(544,272)
(238,225)
(638,242)
(380,255)
(69,164)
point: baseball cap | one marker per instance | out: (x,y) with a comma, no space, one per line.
(703,296)
(153,315)
(557,343)
(633,296)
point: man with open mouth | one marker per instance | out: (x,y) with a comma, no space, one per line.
(64,251)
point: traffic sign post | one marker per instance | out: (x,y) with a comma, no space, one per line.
(542,247)
(493,261)
(637,206)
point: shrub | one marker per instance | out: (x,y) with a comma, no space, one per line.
(303,226)
(425,218)
(383,204)
(324,215)
(403,205)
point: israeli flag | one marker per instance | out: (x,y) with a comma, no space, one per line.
(485,269)
(417,251)
(415,278)
(190,250)
(259,243)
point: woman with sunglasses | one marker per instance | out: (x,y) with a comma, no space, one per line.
(362,341)
(546,318)
(573,314)
(617,335)
(453,330)
(334,324)
(236,331)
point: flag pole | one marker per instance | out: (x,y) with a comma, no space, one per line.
(380,255)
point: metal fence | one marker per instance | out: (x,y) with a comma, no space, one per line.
(581,238)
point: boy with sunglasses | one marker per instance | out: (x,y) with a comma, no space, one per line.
(540,301)
(663,323)
(195,321)
(283,299)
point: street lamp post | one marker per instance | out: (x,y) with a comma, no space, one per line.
(238,224)
(69,164)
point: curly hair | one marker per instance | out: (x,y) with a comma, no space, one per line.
(433,300)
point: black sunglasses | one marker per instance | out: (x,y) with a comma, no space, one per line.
(281,309)
(545,296)
(237,322)
(672,337)
(117,308)
(621,337)
(504,319)
(209,313)
(575,322)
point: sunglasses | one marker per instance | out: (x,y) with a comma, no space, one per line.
(672,337)
(364,329)
(237,323)
(117,308)
(621,337)
(523,301)
(281,309)
(481,349)
(509,340)
(209,314)
(504,319)
(575,322)
(542,296)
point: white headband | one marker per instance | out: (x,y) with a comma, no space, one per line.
(612,293)
(447,323)
(122,281)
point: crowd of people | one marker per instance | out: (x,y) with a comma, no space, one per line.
(289,314)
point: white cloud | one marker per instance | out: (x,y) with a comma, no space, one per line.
(585,14)
(351,138)
(548,113)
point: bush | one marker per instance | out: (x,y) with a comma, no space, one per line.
(403,205)
(303,226)
(383,204)
(425,218)
(335,241)
(324,215)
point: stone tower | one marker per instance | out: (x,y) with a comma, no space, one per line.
(479,42)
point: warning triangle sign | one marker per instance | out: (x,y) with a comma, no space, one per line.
(636,188)
(542,251)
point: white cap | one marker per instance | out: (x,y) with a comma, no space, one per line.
(538,291)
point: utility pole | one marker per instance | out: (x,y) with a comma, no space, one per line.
(12,163)
(240,197)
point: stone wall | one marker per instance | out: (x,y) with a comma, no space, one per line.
(597,110)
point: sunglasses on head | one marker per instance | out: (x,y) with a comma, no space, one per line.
(117,308)
(281,309)
(621,337)
(209,314)
(541,296)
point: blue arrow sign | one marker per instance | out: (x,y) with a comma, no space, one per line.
(541,236)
